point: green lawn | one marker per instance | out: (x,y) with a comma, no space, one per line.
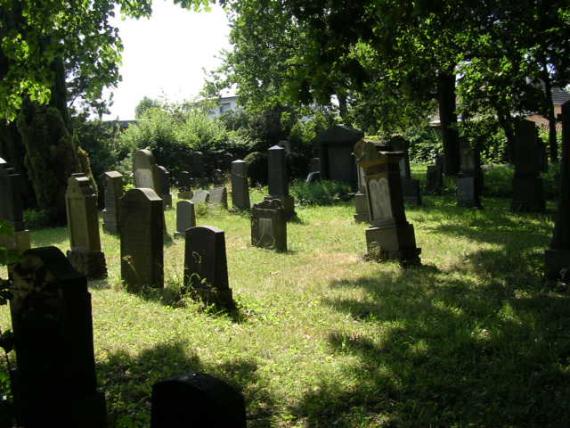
(323,338)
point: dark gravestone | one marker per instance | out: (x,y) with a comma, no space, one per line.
(206,268)
(558,255)
(315,165)
(268,225)
(434,176)
(391,236)
(201,196)
(337,161)
(11,211)
(197,164)
(469,179)
(219,196)
(142,229)
(185,217)
(184,183)
(83,226)
(360,199)
(278,180)
(286,144)
(145,171)
(55,383)
(410,186)
(113,194)
(196,400)
(528,193)
(240,188)
(164,183)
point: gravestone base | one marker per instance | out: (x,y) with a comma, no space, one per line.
(557,262)
(90,264)
(215,296)
(361,205)
(393,242)
(411,190)
(185,194)
(434,180)
(288,203)
(528,194)
(467,192)
(17,241)
(268,226)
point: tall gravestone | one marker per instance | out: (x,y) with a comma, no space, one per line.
(145,172)
(268,225)
(558,255)
(240,187)
(185,217)
(528,192)
(434,176)
(113,194)
(279,180)
(85,254)
(219,196)
(55,381)
(164,182)
(410,186)
(360,199)
(11,211)
(206,268)
(142,229)
(336,158)
(390,236)
(469,179)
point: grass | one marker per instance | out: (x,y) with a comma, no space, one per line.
(470,338)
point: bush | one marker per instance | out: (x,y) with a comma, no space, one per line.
(321,192)
(257,168)
(37,219)
(498,181)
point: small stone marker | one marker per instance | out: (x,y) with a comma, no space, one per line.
(164,183)
(205,266)
(185,217)
(240,187)
(278,180)
(391,236)
(55,382)
(528,193)
(336,158)
(219,196)
(145,171)
(11,211)
(469,179)
(410,186)
(142,229)
(201,196)
(113,193)
(268,225)
(196,400)
(83,226)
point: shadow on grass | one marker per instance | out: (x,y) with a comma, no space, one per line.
(127,381)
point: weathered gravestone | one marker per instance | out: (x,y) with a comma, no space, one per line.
(55,382)
(17,239)
(219,196)
(410,186)
(83,226)
(142,229)
(164,183)
(391,236)
(528,193)
(268,225)
(185,217)
(113,194)
(205,266)
(434,176)
(201,196)
(360,199)
(240,188)
(145,171)
(558,255)
(279,181)
(185,185)
(196,400)
(337,161)
(469,179)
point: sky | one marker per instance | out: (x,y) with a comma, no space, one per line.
(164,56)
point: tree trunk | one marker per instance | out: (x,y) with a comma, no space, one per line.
(448,121)
(506,122)
(552,142)
(561,237)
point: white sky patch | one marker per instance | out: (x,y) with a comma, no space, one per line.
(165,55)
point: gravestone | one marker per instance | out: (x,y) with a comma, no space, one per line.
(17,239)
(145,171)
(391,236)
(164,183)
(184,183)
(196,400)
(83,226)
(469,179)
(196,166)
(201,196)
(279,181)
(205,266)
(240,188)
(113,193)
(434,176)
(54,382)
(557,257)
(185,217)
(336,158)
(219,196)
(410,186)
(528,192)
(313,177)
(315,165)
(142,229)
(268,225)
(360,199)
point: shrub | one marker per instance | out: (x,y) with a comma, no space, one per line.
(322,192)
(257,167)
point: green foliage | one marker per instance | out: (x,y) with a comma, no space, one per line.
(498,181)
(257,167)
(322,192)
(37,219)
(425,145)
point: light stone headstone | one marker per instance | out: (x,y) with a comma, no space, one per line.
(185,217)
(268,225)
(113,193)
(240,188)
(278,179)
(145,171)
(219,196)
(201,196)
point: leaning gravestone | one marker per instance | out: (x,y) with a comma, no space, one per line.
(469,179)
(83,226)
(164,183)
(278,180)
(336,158)
(185,217)
(240,188)
(558,255)
(145,171)
(201,196)
(391,236)
(11,211)
(410,186)
(219,196)
(205,266)
(142,229)
(268,225)
(196,400)
(113,193)
(55,382)
(528,193)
